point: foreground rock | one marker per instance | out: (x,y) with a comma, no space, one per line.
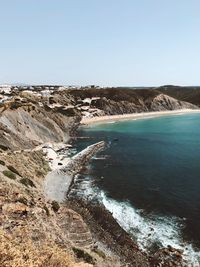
(168,257)
(107,233)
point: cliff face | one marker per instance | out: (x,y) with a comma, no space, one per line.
(28,122)
(189,94)
(165,102)
(159,103)
(123,101)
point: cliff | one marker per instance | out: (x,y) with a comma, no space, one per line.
(189,94)
(28,120)
(113,101)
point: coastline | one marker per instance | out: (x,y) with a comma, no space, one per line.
(108,235)
(183,253)
(61,186)
(58,188)
(142,115)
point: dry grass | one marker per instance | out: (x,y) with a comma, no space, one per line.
(25,254)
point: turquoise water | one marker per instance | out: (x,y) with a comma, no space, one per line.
(150,174)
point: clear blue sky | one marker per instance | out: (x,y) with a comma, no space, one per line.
(104,42)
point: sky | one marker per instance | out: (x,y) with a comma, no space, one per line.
(101,42)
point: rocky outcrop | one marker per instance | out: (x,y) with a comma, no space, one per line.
(111,107)
(115,101)
(167,257)
(160,102)
(23,129)
(75,229)
(106,231)
(165,102)
(26,123)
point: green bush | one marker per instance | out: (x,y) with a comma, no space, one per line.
(81,254)
(55,206)
(12,169)
(9,174)
(2,162)
(99,252)
(47,210)
(27,182)
(39,173)
(23,200)
(4,148)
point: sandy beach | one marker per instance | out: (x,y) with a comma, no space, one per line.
(142,115)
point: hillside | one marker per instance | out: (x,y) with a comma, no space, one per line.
(189,94)
(122,101)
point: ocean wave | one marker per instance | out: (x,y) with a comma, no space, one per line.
(146,230)
(111,122)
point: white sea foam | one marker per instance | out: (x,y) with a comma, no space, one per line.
(163,230)
(145,229)
(144,118)
(111,122)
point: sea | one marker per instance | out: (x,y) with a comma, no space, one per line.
(148,177)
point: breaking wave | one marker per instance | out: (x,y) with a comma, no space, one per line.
(147,231)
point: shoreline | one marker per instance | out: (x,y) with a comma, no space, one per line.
(61,186)
(143,115)
(183,253)
(117,242)
(58,182)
